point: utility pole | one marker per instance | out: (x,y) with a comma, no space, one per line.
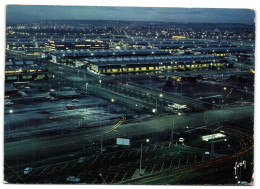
(141,156)
(212,143)
(172,129)
(100,174)
(101,139)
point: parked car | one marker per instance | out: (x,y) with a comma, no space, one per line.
(181,139)
(72,179)
(27,170)
(81,159)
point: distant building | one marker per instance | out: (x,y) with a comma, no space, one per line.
(80,45)
(155,63)
(24,71)
(224,51)
(73,57)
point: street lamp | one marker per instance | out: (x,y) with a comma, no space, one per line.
(141,155)
(100,174)
(86,87)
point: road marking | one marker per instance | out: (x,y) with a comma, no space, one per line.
(154,147)
(94,181)
(104,157)
(179,162)
(43,170)
(66,164)
(56,180)
(121,154)
(53,170)
(115,126)
(113,156)
(114,178)
(124,176)
(162,167)
(74,165)
(19,177)
(162,146)
(146,149)
(187,161)
(128,136)
(170,165)
(94,160)
(153,169)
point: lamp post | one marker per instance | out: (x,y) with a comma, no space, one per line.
(172,129)
(100,174)
(141,156)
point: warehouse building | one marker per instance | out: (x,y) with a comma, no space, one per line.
(24,71)
(72,57)
(77,45)
(224,51)
(155,63)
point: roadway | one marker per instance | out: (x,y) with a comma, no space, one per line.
(28,150)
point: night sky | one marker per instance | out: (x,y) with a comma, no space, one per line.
(25,13)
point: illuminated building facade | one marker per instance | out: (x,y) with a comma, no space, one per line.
(81,45)
(69,57)
(156,63)
(24,71)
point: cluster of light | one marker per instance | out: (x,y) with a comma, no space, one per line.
(213,137)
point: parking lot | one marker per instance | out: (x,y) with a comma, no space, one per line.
(35,112)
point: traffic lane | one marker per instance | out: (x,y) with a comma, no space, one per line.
(59,145)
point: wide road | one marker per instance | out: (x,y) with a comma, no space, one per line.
(42,148)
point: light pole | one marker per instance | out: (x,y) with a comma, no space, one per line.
(108,112)
(141,156)
(86,87)
(86,96)
(212,143)
(100,174)
(59,85)
(101,139)
(172,129)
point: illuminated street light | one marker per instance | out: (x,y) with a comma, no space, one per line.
(100,81)
(10,111)
(147,140)
(225,88)
(154,110)
(112,100)
(161,95)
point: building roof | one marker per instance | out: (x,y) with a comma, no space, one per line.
(154,60)
(108,53)
(225,49)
